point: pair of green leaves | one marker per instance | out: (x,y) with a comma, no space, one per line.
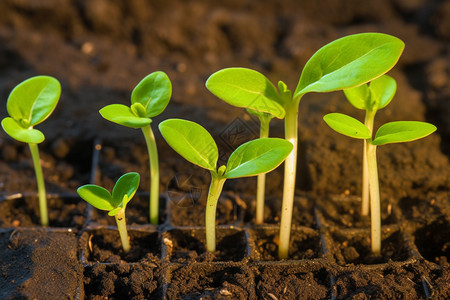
(99,197)
(393,132)
(148,99)
(31,103)
(347,62)
(196,145)
(373,96)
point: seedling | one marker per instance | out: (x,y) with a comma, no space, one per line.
(196,145)
(393,132)
(29,104)
(344,63)
(115,203)
(264,106)
(148,99)
(370,97)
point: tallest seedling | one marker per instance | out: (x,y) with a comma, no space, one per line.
(344,63)
(347,62)
(31,103)
(148,99)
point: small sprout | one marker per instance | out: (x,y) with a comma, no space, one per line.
(393,132)
(115,203)
(30,103)
(250,89)
(148,99)
(344,63)
(196,145)
(370,97)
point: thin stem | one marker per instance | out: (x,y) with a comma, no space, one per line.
(122,227)
(290,167)
(154,173)
(261,179)
(40,183)
(210,218)
(368,121)
(375,215)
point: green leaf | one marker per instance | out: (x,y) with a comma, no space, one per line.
(191,141)
(21,134)
(33,100)
(358,96)
(347,126)
(382,90)
(402,131)
(349,61)
(125,187)
(96,196)
(123,115)
(153,92)
(257,156)
(246,88)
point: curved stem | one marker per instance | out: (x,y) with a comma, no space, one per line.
(375,216)
(210,217)
(40,183)
(368,121)
(154,173)
(261,178)
(122,227)
(290,166)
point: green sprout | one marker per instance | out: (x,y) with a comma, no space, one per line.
(148,99)
(370,97)
(344,63)
(264,106)
(30,103)
(197,146)
(393,132)
(115,203)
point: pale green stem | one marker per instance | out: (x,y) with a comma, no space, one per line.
(290,166)
(375,215)
(154,173)
(122,227)
(40,183)
(210,217)
(368,121)
(261,179)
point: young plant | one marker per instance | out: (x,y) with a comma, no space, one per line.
(196,145)
(370,97)
(344,63)
(264,106)
(148,99)
(393,132)
(30,103)
(115,203)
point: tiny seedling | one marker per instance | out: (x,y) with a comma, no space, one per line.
(30,103)
(115,203)
(148,99)
(264,106)
(393,132)
(344,63)
(370,97)
(196,145)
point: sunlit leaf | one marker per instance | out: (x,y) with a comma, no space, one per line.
(347,126)
(191,141)
(402,131)
(246,88)
(257,156)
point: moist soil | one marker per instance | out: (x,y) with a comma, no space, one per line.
(100,50)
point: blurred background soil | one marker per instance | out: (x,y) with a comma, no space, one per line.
(101,49)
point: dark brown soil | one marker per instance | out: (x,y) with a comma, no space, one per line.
(100,50)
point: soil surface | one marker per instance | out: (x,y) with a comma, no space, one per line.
(99,50)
